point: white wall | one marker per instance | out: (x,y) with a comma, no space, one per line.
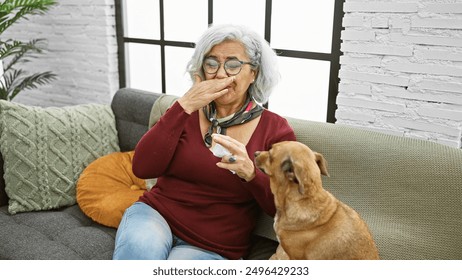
(81,50)
(401,72)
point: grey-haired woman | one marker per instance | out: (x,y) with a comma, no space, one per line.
(208,193)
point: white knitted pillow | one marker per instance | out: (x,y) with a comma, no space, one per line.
(46,149)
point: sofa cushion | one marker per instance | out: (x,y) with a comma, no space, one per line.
(3,196)
(162,104)
(107,187)
(65,233)
(45,150)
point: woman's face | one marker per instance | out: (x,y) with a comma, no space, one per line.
(238,90)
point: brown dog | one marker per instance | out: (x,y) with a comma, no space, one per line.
(310,222)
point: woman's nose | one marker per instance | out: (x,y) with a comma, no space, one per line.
(221,73)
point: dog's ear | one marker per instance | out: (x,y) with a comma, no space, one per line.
(322,163)
(288,168)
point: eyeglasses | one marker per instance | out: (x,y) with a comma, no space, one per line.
(232,66)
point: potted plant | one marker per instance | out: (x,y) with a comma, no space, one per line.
(14,53)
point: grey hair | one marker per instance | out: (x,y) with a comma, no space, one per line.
(261,55)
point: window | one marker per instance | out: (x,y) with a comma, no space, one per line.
(156,39)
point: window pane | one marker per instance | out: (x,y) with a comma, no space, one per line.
(177,79)
(143,67)
(302,25)
(243,12)
(303,90)
(185,20)
(142,19)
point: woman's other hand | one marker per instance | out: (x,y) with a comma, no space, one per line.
(238,162)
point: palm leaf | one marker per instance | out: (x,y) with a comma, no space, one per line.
(13,10)
(20,51)
(6,82)
(15,83)
(12,47)
(9,47)
(3,94)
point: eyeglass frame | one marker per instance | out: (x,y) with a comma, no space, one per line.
(224,65)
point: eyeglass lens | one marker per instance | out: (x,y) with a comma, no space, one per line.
(232,66)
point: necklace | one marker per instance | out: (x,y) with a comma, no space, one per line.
(245,114)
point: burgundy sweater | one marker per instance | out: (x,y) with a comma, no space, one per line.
(205,205)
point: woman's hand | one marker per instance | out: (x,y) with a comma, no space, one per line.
(238,162)
(204,92)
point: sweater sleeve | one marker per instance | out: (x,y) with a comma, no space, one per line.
(156,148)
(259,186)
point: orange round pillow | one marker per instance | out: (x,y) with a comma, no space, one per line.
(107,187)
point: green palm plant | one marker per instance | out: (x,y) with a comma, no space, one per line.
(14,53)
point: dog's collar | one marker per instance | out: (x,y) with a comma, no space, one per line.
(245,114)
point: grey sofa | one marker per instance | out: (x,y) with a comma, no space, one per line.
(409,192)
(67,233)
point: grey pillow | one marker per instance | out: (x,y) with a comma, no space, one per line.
(46,149)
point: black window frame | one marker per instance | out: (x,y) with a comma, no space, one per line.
(333,57)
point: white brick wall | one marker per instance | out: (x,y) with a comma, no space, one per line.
(81,50)
(401,71)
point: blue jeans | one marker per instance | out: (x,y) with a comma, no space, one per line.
(143,234)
